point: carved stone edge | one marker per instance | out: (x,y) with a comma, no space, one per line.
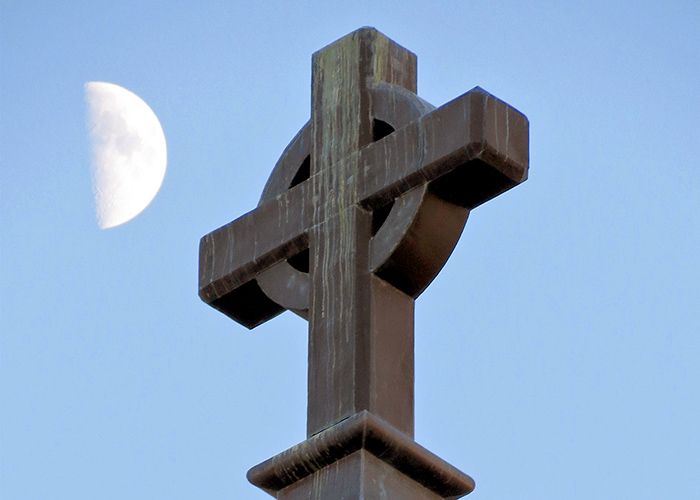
(361,431)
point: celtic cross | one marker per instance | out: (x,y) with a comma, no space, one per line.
(358,216)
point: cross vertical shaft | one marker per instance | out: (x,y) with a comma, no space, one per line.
(349,342)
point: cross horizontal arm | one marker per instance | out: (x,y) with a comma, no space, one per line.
(472,149)
(469,150)
(234,254)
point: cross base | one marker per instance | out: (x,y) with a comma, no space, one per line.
(360,457)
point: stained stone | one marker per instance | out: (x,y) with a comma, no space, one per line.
(359,215)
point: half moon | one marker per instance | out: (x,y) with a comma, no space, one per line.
(129,154)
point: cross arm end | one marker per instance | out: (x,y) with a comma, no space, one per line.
(494,153)
(231,257)
(469,150)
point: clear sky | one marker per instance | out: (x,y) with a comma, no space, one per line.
(557,353)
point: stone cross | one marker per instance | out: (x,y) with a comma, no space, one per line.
(358,216)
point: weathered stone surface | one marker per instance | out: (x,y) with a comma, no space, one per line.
(359,215)
(336,459)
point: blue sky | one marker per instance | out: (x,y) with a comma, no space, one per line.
(557,352)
